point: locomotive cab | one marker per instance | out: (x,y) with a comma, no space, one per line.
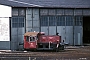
(30,40)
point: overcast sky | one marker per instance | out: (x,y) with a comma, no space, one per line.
(5,11)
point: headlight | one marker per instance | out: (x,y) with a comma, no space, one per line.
(31,43)
(57,40)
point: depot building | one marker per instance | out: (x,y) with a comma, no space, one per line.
(71,19)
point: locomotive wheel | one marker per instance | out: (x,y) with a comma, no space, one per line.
(61,47)
(57,49)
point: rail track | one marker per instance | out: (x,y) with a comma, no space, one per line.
(82,53)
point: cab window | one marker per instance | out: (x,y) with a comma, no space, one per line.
(27,38)
(32,38)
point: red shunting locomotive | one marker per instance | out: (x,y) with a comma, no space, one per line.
(40,41)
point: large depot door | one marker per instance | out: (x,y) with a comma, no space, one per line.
(48,25)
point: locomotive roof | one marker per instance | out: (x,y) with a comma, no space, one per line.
(30,33)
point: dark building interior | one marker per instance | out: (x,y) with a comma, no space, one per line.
(86,29)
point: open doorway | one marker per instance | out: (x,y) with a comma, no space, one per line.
(86,29)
